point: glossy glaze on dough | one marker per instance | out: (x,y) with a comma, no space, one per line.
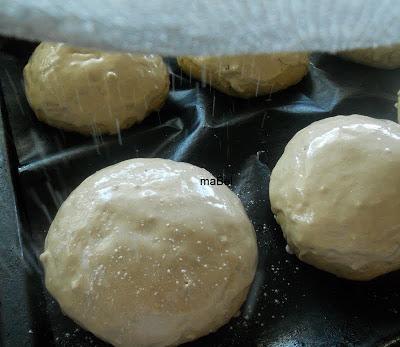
(93,92)
(380,57)
(248,76)
(335,192)
(142,254)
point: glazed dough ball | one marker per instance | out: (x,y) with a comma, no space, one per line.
(143,254)
(248,76)
(380,57)
(93,92)
(335,192)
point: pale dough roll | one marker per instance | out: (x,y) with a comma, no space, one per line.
(335,192)
(381,57)
(247,76)
(143,254)
(93,92)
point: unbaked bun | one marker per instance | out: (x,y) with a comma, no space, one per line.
(143,254)
(335,192)
(248,76)
(387,57)
(93,92)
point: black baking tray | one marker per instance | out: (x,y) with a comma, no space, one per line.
(290,303)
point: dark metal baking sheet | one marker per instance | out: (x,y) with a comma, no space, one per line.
(290,303)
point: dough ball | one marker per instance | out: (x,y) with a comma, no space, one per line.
(93,92)
(380,57)
(335,192)
(143,254)
(248,76)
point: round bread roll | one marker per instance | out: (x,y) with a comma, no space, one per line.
(248,76)
(335,192)
(93,92)
(143,254)
(381,57)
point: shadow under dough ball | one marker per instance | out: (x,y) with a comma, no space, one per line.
(335,193)
(142,254)
(93,92)
(247,76)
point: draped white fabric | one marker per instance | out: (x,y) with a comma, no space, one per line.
(174,27)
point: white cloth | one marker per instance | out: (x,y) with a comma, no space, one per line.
(178,27)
